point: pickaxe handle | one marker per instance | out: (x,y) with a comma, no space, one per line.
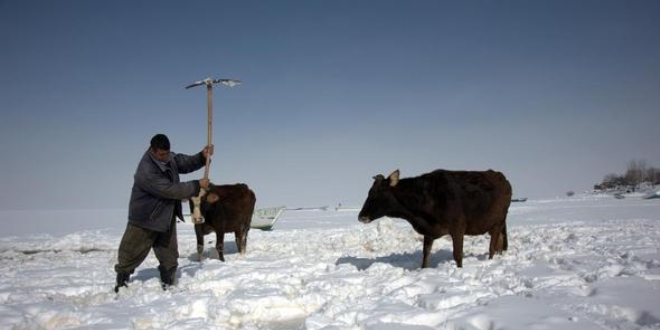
(209,102)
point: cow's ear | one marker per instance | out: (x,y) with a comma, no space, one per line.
(379,177)
(394,178)
(212,198)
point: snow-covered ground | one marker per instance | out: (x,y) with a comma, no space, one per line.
(580,263)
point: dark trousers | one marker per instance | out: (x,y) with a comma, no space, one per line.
(135,246)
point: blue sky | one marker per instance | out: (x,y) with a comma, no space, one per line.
(555,94)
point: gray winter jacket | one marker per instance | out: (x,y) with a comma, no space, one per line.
(157,192)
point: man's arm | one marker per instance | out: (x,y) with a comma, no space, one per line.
(187,164)
(162,187)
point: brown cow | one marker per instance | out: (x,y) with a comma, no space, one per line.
(444,202)
(226,208)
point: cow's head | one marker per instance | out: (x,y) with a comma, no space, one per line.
(202,203)
(208,201)
(211,197)
(195,203)
(381,200)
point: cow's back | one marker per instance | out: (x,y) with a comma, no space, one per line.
(483,197)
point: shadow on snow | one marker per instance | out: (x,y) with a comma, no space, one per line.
(409,261)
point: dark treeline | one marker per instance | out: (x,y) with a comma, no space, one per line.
(638,174)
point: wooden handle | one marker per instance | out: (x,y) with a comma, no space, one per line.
(209,141)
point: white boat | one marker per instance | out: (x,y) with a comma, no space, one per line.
(653,194)
(265,218)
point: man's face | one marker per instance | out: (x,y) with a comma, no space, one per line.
(161,155)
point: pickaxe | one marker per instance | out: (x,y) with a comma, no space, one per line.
(197,217)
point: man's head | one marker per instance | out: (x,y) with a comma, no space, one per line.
(160,147)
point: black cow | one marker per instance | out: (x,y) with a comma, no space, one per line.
(444,202)
(225,208)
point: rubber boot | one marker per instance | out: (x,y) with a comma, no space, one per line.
(121,281)
(166,277)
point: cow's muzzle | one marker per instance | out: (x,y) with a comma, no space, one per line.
(364,218)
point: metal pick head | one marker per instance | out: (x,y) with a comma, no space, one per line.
(210,82)
(228,82)
(197,83)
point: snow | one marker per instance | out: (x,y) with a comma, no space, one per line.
(576,263)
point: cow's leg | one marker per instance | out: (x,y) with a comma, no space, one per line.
(199,234)
(220,244)
(457,241)
(428,244)
(496,241)
(505,239)
(241,240)
(500,243)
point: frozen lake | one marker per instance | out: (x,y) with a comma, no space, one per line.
(581,263)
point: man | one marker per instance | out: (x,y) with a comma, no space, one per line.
(155,203)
